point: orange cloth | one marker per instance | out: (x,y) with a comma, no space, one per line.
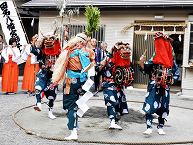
(91,55)
(68,83)
(29,76)
(74,63)
(10,73)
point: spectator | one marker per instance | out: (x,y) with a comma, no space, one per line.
(104,51)
(97,60)
(67,35)
(31,68)
(10,71)
(96,50)
(2,60)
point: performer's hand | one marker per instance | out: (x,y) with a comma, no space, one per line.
(172,82)
(24,46)
(142,58)
(102,64)
(34,39)
(43,66)
(51,86)
(88,38)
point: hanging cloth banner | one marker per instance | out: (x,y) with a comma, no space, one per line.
(10,24)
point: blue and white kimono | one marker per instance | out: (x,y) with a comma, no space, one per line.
(158,98)
(78,79)
(115,98)
(43,79)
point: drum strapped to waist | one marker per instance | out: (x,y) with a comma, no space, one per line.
(123,76)
(162,75)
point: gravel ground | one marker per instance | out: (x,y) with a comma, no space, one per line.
(93,125)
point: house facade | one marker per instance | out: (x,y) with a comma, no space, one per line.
(134,22)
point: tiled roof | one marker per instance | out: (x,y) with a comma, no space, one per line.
(113,3)
(39,3)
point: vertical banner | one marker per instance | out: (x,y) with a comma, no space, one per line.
(10,24)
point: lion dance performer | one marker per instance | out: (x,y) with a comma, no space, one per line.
(117,73)
(72,61)
(47,58)
(163,72)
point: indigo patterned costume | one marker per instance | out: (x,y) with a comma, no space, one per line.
(158,98)
(46,58)
(113,86)
(163,71)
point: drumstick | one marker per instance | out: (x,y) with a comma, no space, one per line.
(89,67)
(145,52)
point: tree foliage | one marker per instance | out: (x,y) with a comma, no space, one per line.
(93,19)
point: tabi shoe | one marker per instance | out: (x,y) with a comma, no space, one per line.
(38,107)
(50,115)
(161,131)
(148,131)
(73,135)
(33,93)
(112,126)
(28,92)
(118,127)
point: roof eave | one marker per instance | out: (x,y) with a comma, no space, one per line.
(111,6)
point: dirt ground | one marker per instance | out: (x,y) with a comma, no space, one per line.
(94,123)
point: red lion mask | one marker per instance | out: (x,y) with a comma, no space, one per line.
(122,55)
(51,45)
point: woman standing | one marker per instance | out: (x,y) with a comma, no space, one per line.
(30,70)
(10,71)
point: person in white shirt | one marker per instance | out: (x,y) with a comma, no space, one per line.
(31,68)
(10,71)
(104,51)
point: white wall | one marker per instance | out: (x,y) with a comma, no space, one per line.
(114,21)
(187,78)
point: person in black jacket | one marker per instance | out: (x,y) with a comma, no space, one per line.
(97,52)
(2,60)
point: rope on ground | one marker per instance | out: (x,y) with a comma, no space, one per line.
(94,141)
